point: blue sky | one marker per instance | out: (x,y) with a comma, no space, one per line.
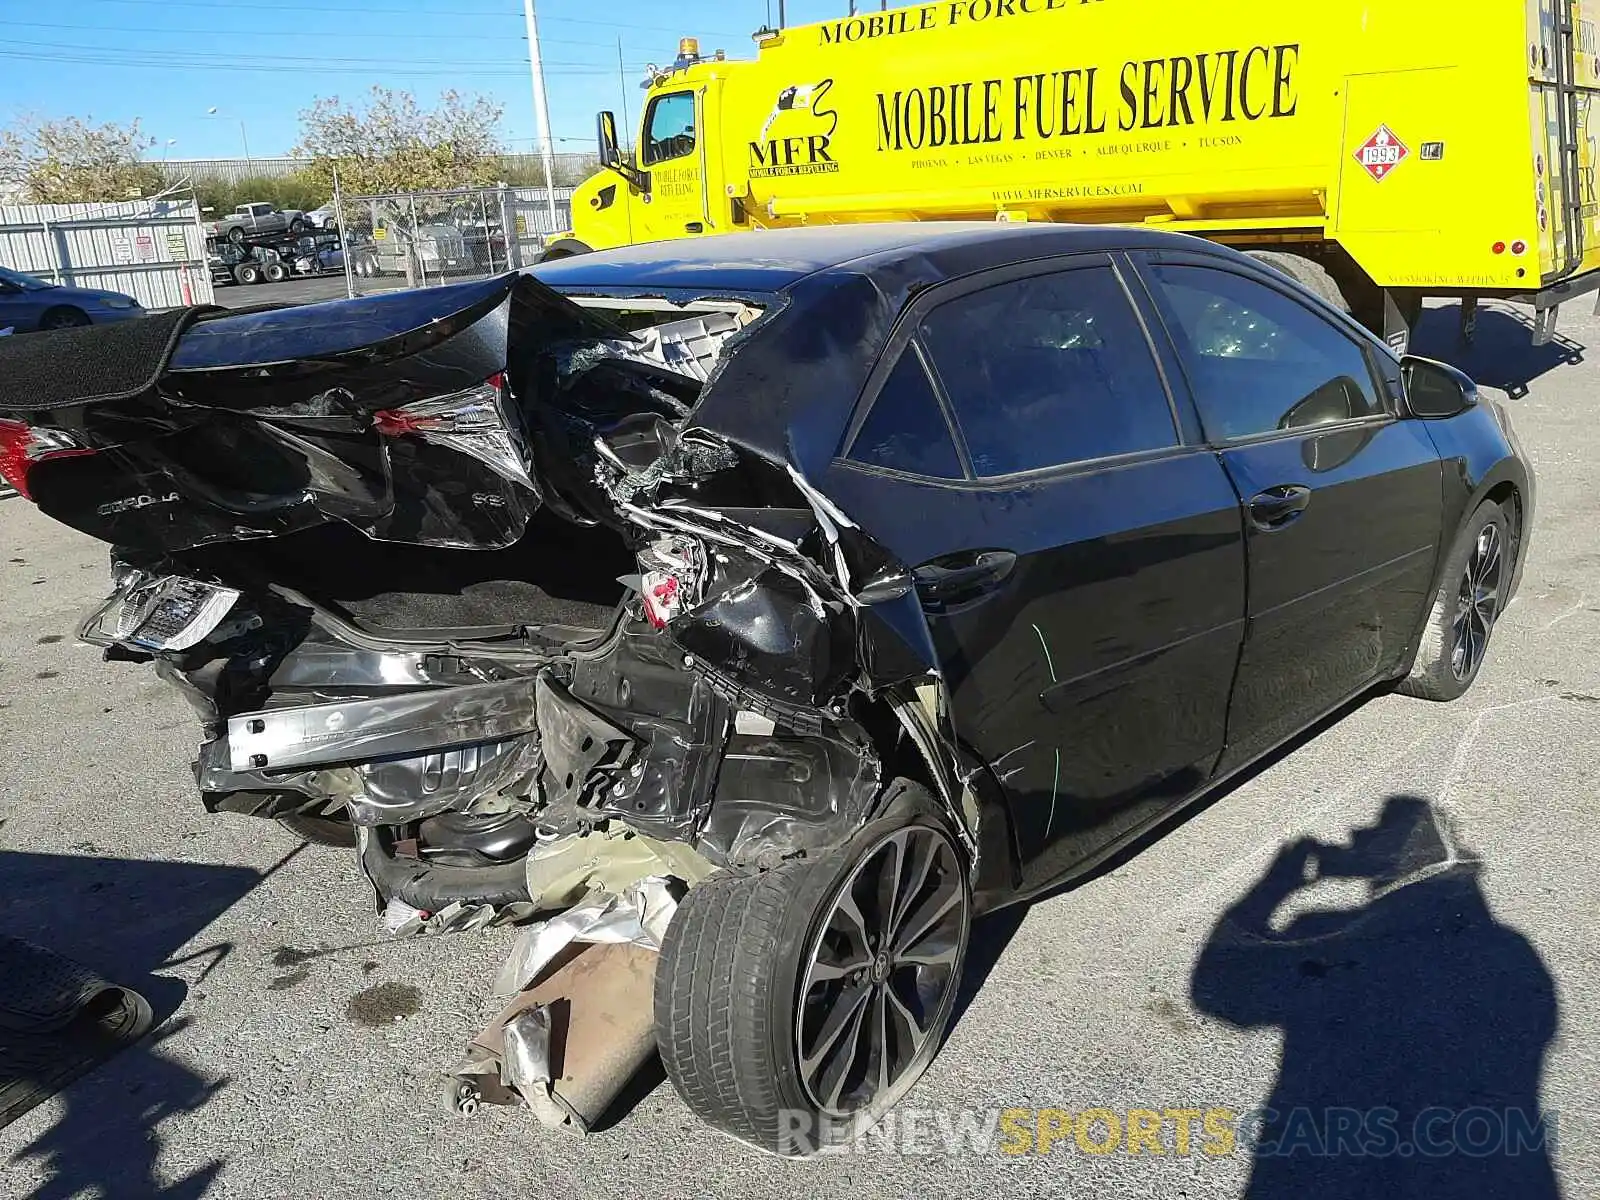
(259,62)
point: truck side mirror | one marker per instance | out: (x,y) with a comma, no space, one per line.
(1435,390)
(610,151)
(611,154)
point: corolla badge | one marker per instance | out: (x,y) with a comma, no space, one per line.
(134,502)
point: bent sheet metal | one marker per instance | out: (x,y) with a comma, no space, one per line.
(581,1021)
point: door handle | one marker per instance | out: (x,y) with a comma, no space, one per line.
(1279,506)
(695,227)
(959,578)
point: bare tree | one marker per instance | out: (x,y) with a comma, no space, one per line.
(69,161)
(389,143)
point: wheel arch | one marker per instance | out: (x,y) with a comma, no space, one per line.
(564,248)
(1508,484)
(958,777)
(63,308)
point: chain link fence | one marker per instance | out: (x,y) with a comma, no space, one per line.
(422,239)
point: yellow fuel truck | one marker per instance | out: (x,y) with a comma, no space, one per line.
(1381,150)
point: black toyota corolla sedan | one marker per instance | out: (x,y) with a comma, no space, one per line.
(859,579)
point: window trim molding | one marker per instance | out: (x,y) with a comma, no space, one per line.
(1020,479)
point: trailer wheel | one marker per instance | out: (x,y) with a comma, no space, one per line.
(276,272)
(1311,275)
(247,272)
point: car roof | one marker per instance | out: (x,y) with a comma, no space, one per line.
(775,260)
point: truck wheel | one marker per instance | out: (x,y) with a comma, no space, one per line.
(247,273)
(297,226)
(275,272)
(236,235)
(1471,594)
(794,1008)
(1311,275)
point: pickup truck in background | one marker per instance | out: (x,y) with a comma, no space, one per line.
(257,218)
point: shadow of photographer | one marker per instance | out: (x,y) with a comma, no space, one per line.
(127,919)
(1414,1024)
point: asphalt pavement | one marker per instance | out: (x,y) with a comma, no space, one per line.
(300,290)
(281,1069)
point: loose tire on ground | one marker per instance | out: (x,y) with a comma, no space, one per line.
(1471,595)
(754,967)
(1311,275)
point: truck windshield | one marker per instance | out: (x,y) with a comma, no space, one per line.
(669,131)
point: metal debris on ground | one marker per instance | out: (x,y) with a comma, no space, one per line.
(403,920)
(581,1022)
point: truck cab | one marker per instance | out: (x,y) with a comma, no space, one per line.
(673,184)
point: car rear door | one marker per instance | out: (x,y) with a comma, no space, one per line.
(1078,552)
(1341,499)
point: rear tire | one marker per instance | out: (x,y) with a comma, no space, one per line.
(236,235)
(297,226)
(794,1008)
(275,272)
(321,831)
(1465,609)
(247,273)
(1311,275)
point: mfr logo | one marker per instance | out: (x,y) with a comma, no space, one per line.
(797,136)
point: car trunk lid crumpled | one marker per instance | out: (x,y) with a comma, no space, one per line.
(278,484)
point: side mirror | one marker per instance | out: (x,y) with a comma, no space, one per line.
(610,150)
(611,158)
(1435,390)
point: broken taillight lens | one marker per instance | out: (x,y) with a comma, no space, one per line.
(23,447)
(472,422)
(670,581)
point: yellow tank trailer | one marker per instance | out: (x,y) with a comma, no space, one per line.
(1380,150)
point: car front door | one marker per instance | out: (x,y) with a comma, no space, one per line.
(672,153)
(1078,553)
(1341,499)
(22,302)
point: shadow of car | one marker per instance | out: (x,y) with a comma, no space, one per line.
(28,304)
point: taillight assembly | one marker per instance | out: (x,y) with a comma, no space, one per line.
(22,447)
(472,422)
(672,569)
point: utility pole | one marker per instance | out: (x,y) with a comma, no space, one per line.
(541,111)
(622,78)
